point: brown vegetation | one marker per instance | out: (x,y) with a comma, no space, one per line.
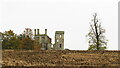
(60,58)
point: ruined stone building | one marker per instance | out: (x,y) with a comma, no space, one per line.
(45,41)
(59,40)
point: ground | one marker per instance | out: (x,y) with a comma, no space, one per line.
(60,58)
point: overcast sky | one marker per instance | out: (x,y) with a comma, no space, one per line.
(71,16)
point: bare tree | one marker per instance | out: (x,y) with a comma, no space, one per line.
(28,32)
(96,37)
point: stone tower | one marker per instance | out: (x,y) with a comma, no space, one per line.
(59,40)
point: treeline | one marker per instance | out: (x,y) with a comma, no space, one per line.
(24,40)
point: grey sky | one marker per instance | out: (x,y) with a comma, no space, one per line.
(71,16)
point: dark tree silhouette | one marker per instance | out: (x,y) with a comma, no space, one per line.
(96,37)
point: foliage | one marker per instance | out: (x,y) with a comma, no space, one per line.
(28,32)
(10,40)
(14,41)
(67,49)
(27,43)
(96,37)
(10,32)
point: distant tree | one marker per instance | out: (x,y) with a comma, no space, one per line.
(8,34)
(36,46)
(27,43)
(22,41)
(10,40)
(28,33)
(96,37)
(67,49)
